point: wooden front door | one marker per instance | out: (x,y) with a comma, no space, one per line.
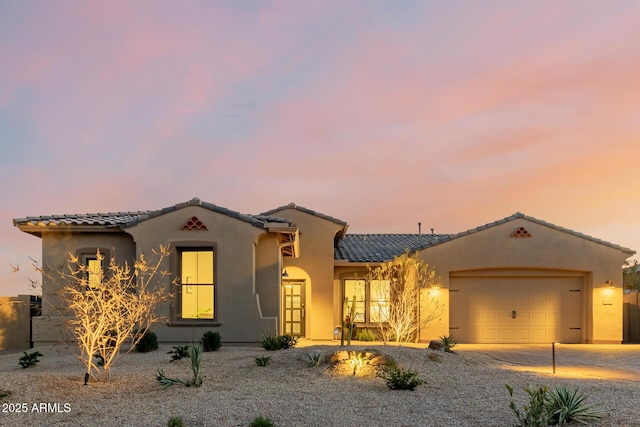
(293,308)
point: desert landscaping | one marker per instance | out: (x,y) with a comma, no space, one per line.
(462,389)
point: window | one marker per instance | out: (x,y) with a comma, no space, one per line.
(94,271)
(372,299)
(197,283)
(96,266)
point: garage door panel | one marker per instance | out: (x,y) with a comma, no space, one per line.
(546,309)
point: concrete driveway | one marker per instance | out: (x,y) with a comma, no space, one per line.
(615,361)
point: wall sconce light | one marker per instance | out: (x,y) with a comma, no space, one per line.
(609,283)
(284,273)
(435,287)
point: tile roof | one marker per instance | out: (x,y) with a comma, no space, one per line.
(122,220)
(382,247)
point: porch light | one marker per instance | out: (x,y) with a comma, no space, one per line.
(610,284)
(284,273)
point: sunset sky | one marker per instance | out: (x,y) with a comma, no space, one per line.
(380,113)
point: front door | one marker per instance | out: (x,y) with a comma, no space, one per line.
(293,308)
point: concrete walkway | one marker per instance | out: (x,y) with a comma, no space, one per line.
(615,361)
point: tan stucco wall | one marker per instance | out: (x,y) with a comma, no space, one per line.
(14,322)
(315,266)
(237,257)
(548,248)
(56,247)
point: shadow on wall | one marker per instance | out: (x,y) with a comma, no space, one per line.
(15,321)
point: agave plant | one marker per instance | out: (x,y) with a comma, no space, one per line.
(566,406)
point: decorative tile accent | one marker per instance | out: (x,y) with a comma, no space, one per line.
(520,232)
(194,224)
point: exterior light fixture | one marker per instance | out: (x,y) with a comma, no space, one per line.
(435,287)
(284,273)
(610,283)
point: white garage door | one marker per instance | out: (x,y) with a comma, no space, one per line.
(515,310)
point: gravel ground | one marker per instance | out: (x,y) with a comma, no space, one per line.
(465,389)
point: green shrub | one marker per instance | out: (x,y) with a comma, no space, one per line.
(535,413)
(287,341)
(272,342)
(29,359)
(448,342)
(148,342)
(179,352)
(262,360)
(211,341)
(399,378)
(365,335)
(557,406)
(261,422)
(175,422)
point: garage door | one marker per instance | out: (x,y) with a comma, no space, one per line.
(515,310)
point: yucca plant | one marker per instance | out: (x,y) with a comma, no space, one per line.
(448,342)
(316,357)
(262,360)
(195,353)
(566,406)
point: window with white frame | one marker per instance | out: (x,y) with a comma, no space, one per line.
(371,299)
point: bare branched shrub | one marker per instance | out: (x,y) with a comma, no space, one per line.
(404,304)
(110,307)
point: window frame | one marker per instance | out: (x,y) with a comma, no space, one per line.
(87,254)
(178,247)
(368,301)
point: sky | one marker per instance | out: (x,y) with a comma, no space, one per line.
(380,113)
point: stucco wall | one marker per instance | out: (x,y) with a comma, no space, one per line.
(237,316)
(547,248)
(56,247)
(14,322)
(315,266)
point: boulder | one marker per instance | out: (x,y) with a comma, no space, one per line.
(436,345)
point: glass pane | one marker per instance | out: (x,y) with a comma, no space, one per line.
(379,311)
(287,315)
(197,267)
(380,290)
(197,302)
(296,302)
(355,288)
(296,328)
(296,316)
(94,272)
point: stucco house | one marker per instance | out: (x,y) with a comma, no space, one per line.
(515,280)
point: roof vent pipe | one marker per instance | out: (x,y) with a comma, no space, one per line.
(419,229)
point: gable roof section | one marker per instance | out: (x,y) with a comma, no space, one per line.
(520,215)
(339,235)
(115,221)
(384,247)
(307,211)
